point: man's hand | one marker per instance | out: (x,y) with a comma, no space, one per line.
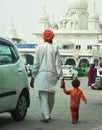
(85,102)
(62,84)
(32,82)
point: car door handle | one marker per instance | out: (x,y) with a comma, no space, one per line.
(20,70)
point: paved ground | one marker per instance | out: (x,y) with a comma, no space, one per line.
(90,114)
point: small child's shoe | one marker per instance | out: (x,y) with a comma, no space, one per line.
(73,122)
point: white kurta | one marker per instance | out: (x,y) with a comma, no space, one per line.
(47,67)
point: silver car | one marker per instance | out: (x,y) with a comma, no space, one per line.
(69,72)
(14,88)
(99,71)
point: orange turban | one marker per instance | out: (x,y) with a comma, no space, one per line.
(48,35)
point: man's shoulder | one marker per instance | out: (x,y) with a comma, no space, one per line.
(40,45)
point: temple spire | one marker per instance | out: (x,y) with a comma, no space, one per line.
(94,6)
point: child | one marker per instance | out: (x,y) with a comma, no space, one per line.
(76,95)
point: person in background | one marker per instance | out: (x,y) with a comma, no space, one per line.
(92,75)
(75,95)
(100,69)
(46,72)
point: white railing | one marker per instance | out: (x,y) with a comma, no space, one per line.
(97,53)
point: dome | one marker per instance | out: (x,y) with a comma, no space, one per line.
(78,4)
(94,15)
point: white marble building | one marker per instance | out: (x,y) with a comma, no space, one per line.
(78,34)
(11,34)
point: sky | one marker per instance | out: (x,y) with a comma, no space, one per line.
(24,14)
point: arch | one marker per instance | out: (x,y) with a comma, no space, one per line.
(96,62)
(27,53)
(70,61)
(28,59)
(84,62)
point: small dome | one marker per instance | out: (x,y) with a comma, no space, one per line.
(78,4)
(94,15)
(44,16)
(11,32)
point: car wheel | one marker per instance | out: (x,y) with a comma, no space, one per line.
(21,109)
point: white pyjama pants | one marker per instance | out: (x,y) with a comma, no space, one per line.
(47,103)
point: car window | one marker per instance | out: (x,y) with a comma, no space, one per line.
(67,67)
(8,54)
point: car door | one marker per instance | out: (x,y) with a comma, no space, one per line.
(11,74)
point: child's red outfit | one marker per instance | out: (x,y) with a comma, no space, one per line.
(76,95)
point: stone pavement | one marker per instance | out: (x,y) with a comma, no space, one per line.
(90,114)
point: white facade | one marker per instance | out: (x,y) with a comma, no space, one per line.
(78,34)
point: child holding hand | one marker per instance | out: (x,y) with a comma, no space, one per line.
(75,95)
